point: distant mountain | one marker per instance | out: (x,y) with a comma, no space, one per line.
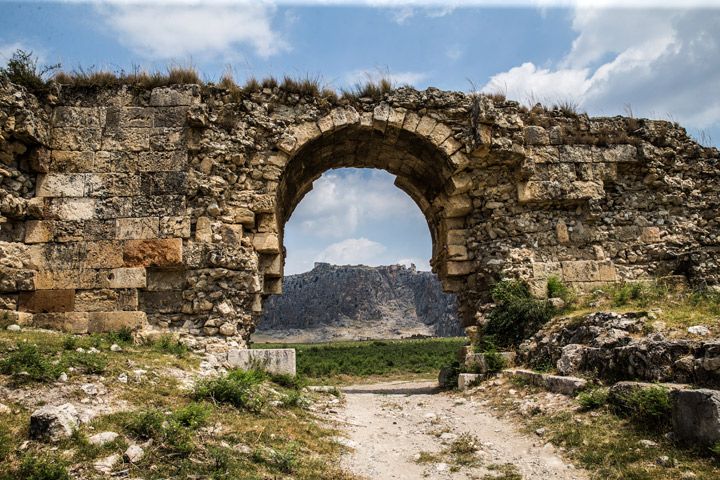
(333,302)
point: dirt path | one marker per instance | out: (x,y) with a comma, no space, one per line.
(389,424)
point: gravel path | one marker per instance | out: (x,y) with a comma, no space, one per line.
(389,424)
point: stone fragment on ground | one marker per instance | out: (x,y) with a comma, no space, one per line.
(54,423)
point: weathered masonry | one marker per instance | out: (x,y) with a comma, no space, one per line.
(165,208)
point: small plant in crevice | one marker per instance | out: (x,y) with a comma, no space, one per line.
(556,288)
(168,344)
(23,69)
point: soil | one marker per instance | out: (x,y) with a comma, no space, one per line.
(388,425)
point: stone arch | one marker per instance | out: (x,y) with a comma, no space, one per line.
(421,152)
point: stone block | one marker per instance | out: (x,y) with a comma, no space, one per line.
(274,360)
(167,301)
(60,185)
(70,322)
(71,162)
(65,279)
(47,301)
(457,206)
(159,206)
(75,139)
(425,126)
(306,132)
(696,417)
(99,322)
(163,252)
(553,383)
(459,268)
(106,300)
(588,271)
(561,231)
(161,279)
(39,231)
(137,228)
(13,317)
(266,243)
(535,135)
(81,208)
(104,254)
(457,253)
(173,97)
(467,380)
(124,278)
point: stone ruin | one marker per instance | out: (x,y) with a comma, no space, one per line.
(164,208)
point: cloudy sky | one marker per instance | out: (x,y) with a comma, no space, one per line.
(652,59)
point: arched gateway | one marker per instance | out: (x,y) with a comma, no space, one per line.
(166,207)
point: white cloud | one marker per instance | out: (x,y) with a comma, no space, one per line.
(360,76)
(454,52)
(662,62)
(352,251)
(163,30)
(340,205)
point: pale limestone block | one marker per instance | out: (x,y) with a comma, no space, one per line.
(266,243)
(425,126)
(455,269)
(458,206)
(39,231)
(99,322)
(306,132)
(440,133)
(411,121)
(137,228)
(134,277)
(60,185)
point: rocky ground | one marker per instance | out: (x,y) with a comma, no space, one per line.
(410,430)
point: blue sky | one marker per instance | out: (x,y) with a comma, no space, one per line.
(656,62)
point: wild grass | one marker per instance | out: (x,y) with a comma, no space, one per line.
(609,445)
(333,362)
(675,305)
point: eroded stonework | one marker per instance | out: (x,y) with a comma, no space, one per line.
(166,207)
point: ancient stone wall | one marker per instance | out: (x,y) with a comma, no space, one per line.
(166,207)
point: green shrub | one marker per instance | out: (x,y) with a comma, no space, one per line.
(26,363)
(239,388)
(516,315)
(715,450)
(452,372)
(295,399)
(556,288)
(647,407)
(593,398)
(70,342)
(193,415)
(124,336)
(145,425)
(22,69)
(296,382)
(494,361)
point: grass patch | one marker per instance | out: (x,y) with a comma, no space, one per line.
(331,361)
(677,306)
(168,344)
(35,467)
(609,445)
(593,398)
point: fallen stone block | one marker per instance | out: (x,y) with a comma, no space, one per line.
(467,380)
(696,416)
(272,360)
(553,383)
(54,423)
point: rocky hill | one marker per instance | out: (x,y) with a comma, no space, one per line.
(333,302)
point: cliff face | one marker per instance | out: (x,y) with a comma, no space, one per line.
(359,302)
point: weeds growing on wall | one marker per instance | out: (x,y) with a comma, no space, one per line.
(516,315)
(23,69)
